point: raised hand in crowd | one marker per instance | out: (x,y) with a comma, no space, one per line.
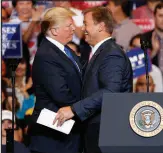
(23,88)
(36,13)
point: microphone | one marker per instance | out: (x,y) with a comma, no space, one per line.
(145,44)
(12,54)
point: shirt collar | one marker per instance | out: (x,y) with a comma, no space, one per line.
(56,43)
(158,36)
(94,49)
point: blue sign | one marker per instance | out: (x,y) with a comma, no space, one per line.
(137,60)
(11,41)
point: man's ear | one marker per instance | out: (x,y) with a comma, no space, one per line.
(54,31)
(101,26)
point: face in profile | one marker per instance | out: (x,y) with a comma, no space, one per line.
(141,84)
(90,29)
(112,7)
(159,19)
(65,31)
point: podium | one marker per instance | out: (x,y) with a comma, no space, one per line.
(116,132)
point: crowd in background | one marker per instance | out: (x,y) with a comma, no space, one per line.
(127,34)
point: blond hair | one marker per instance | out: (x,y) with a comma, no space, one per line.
(55,17)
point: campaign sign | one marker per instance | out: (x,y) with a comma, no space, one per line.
(137,60)
(11,41)
(144,24)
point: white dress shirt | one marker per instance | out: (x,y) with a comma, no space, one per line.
(61,47)
(94,49)
(56,43)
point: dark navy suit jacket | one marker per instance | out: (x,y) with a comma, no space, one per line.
(109,70)
(57,83)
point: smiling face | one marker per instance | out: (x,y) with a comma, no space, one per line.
(24,9)
(90,29)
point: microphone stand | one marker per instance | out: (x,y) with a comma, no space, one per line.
(13,63)
(144,46)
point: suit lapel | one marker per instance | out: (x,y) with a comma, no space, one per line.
(90,63)
(65,58)
(94,57)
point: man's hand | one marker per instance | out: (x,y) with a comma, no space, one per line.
(37,12)
(63,114)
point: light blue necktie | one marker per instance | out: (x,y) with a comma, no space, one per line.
(68,53)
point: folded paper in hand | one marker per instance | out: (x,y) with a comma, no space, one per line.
(47,117)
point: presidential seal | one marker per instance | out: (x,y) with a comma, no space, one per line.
(146,118)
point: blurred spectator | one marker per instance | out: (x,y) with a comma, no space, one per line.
(6,124)
(6,65)
(4,15)
(145,11)
(135,41)
(74,48)
(155,73)
(4,72)
(141,84)
(23,9)
(155,38)
(125,29)
(157,77)
(28,121)
(3,94)
(7,4)
(24,91)
(29,17)
(8,106)
(44,4)
(8,103)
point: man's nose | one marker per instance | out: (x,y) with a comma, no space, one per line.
(83,28)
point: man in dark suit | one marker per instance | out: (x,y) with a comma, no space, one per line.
(155,38)
(108,70)
(57,82)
